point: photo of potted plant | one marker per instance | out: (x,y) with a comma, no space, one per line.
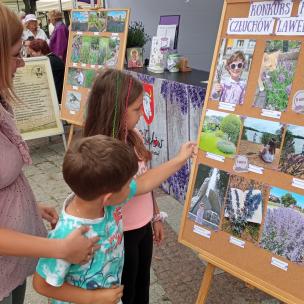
(137,38)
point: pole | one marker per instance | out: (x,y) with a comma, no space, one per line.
(60,5)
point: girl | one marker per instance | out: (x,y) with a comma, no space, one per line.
(20,218)
(114,108)
(232,90)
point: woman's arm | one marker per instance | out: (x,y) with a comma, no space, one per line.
(76,248)
(155,176)
(73,294)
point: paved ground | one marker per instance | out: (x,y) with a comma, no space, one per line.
(176,270)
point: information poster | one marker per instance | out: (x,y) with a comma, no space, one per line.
(37,110)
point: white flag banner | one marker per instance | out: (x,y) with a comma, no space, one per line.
(250,26)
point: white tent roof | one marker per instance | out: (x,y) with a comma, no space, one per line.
(48,5)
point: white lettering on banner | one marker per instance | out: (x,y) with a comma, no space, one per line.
(290,26)
(271,9)
(258,26)
(301,9)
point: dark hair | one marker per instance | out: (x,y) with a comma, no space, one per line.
(101,111)
(40,45)
(97,165)
(30,38)
(236,55)
(272,146)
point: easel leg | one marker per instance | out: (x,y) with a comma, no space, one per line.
(71,133)
(207,279)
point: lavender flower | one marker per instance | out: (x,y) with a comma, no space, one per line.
(281,78)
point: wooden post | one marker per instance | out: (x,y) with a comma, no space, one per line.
(71,133)
(206,283)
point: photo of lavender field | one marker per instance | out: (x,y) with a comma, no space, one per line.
(276,74)
(283,232)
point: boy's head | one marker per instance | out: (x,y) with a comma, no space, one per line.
(99,165)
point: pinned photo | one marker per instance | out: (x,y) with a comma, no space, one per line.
(81,77)
(244,207)
(112,55)
(209,190)
(284,225)
(220,133)
(261,141)
(232,70)
(73,101)
(76,48)
(97,21)
(292,156)
(276,74)
(135,57)
(80,21)
(116,21)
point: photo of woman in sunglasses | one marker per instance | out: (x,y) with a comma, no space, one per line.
(232,71)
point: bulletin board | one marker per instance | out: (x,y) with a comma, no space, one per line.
(97,41)
(244,210)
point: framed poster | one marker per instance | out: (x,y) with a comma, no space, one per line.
(37,112)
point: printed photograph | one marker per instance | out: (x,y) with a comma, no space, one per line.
(276,74)
(135,57)
(244,208)
(283,231)
(232,70)
(80,21)
(208,196)
(73,101)
(261,141)
(97,21)
(292,156)
(111,58)
(76,48)
(85,51)
(220,133)
(81,77)
(116,21)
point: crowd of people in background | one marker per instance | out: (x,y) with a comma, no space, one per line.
(37,43)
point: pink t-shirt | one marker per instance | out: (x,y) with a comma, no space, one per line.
(139,210)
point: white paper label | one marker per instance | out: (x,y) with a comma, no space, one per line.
(93,66)
(250,26)
(75,88)
(215,157)
(270,113)
(237,242)
(99,66)
(83,65)
(298,183)
(278,263)
(272,8)
(226,106)
(290,26)
(72,112)
(74,64)
(301,8)
(255,169)
(202,231)
(79,33)
(96,33)
(114,35)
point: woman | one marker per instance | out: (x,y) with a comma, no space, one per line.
(32,29)
(268,152)
(60,35)
(20,218)
(39,47)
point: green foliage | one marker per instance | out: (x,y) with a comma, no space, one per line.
(231,125)
(221,134)
(288,200)
(226,146)
(289,144)
(244,136)
(266,137)
(136,35)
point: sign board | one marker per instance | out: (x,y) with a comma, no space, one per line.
(37,111)
(249,220)
(97,40)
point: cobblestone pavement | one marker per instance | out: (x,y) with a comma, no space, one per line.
(176,270)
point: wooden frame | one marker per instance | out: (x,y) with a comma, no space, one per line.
(251,263)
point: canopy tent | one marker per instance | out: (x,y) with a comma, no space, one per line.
(48,5)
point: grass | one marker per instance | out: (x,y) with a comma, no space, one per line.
(208,143)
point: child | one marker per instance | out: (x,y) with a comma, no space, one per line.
(99,170)
(232,90)
(114,108)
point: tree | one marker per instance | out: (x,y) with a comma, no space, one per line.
(288,200)
(231,125)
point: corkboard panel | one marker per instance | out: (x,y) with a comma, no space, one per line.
(76,117)
(251,263)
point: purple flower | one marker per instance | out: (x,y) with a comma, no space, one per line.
(288,89)
(281,78)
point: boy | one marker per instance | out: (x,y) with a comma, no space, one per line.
(99,170)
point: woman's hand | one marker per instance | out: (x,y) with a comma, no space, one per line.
(158,232)
(77,248)
(49,214)
(107,295)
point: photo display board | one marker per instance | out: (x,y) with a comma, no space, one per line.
(244,210)
(97,40)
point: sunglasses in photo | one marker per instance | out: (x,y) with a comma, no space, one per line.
(234,66)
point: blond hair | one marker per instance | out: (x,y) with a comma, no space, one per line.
(10,33)
(56,15)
